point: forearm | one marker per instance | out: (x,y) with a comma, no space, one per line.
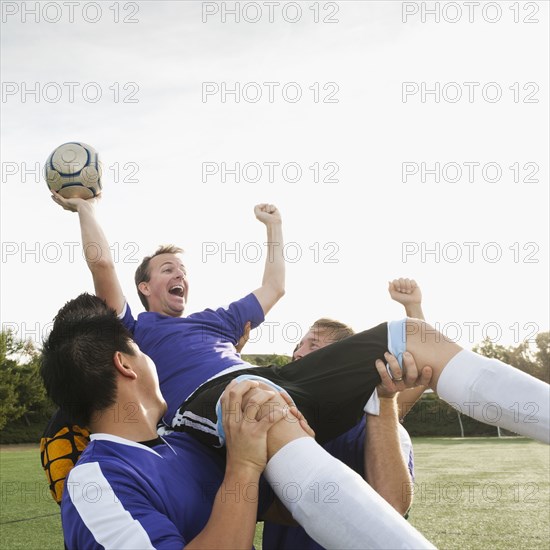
(415,311)
(407,398)
(232,523)
(273,281)
(94,242)
(274,271)
(385,468)
(99,259)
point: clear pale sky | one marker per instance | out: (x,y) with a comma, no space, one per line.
(367,223)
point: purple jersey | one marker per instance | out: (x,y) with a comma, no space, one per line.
(188,351)
(123,494)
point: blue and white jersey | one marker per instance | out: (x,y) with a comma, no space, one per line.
(188,351)
(123,494)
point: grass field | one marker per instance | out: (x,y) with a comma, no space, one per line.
(470,494)
(482,493)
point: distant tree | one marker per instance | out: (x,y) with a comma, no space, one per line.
(9,379)
(532,358)
(542,355)
(21,390)
(32,394)
(267,360)
(9,407)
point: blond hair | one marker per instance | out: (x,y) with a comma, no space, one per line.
(335,330)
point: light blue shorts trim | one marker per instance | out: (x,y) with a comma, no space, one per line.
(219,423)
(397,339)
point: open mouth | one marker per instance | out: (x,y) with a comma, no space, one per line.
(177,290)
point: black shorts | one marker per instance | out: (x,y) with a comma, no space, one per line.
(330,387)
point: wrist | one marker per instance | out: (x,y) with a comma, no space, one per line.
(414,311)
(243,471)
(238,483)
(388,400)
(84,206)
(388,403)
(274,224)
(385,394)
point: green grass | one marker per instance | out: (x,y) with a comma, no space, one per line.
(29,517)
(482,493)
(470,494)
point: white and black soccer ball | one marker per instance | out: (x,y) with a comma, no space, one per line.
(73,170)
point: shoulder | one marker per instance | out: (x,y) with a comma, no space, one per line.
(107,465)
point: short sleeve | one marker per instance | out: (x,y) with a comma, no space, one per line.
(127,318)
(238,313)
(103,509)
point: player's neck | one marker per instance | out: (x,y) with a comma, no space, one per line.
(129,419)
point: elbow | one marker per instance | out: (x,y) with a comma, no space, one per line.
(399,498)
(276,291)
(276,294)
(402,508)
(100,265)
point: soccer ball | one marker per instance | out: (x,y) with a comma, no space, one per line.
(73,170)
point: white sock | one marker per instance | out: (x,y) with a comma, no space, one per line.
(334,504)
(496,393)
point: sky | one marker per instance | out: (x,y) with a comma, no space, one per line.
(396,142)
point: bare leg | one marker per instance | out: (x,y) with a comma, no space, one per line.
(429,348)
(485,389)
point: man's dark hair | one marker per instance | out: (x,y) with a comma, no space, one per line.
(77,357)
(143,275)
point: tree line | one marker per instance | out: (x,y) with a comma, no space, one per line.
(25,408)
